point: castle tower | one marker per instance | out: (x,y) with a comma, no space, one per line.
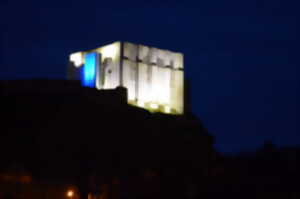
(153,77)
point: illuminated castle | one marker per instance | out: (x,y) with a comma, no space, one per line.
(153,77)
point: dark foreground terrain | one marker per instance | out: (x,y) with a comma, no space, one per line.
(59,140)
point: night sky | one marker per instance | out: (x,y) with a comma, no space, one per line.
(241,56)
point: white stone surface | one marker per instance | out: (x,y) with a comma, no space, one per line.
(144,83)
(110,61)
(130,51)
(130,78)
(177,82)
(178,60)
(143,53)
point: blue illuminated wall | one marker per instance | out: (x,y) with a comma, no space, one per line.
(89,70)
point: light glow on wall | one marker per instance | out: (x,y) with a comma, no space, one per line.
(77,59)
(70,193)
(154,106)
(167,109)
(160,89)
(88,78)
(141,103)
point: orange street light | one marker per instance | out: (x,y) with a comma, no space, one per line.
(70,193)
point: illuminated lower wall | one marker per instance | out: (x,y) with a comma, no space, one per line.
(130,79)
(177,91)
(144,79)
(153,77)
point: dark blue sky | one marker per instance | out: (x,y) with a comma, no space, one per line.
(240,56)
